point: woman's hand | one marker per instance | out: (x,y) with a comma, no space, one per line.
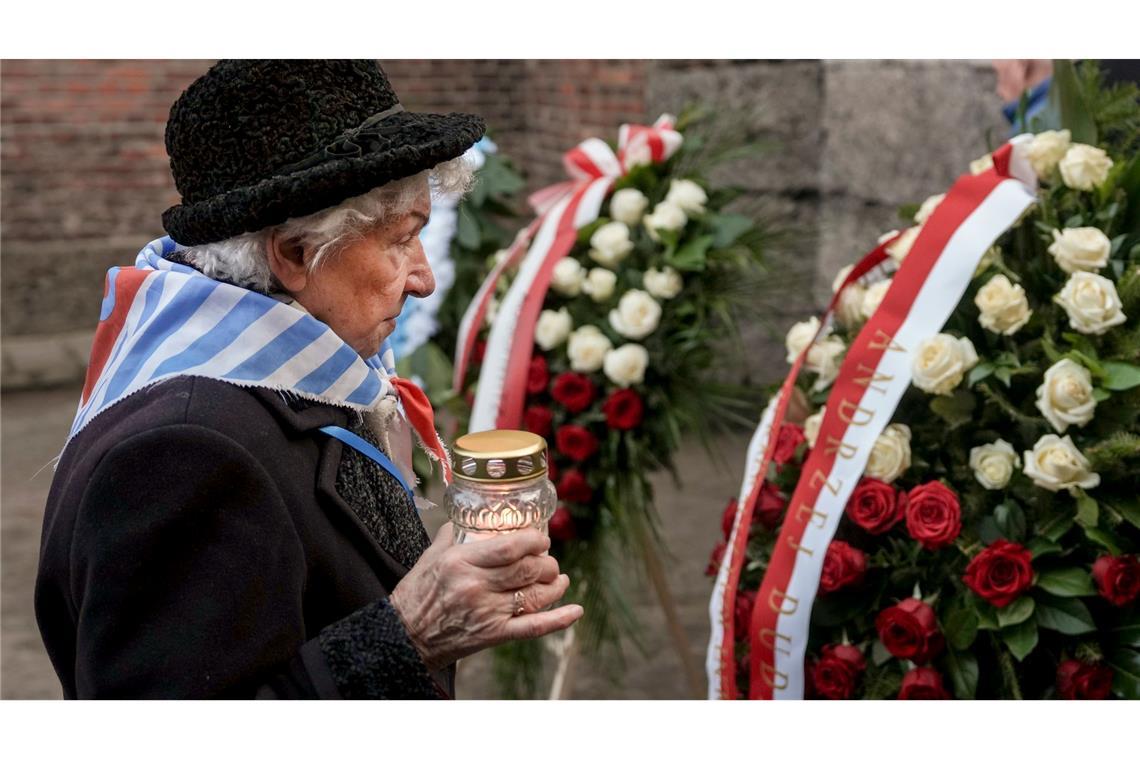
(458,599)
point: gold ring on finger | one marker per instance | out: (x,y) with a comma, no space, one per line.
(520,602)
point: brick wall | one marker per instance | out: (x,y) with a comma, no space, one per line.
(85,176)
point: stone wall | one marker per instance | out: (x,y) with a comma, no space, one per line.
(85,177)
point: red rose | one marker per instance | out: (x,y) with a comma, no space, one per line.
(623,409)
(1081,680)
(1117,578)
(933,515)
(836,673)
(552,470)
(561,525)
(573,487)
(1000,573)
(538,376)
(909,631)
(576,442)
(479,351)
(769,507)
(742,613)
(573,391)
(727,518)
(788,440)
(875,506)
(923,683)
(843,565)
(715,559)
(538,420)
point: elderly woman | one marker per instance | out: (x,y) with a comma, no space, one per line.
(231,515)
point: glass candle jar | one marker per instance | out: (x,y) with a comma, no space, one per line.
(499,484)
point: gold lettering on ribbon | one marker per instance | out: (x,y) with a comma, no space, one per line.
(819,480)
(768,638)
(811,515)
(849,411)
(833,446)
(799,547)
(777,604)
(770,674)
(884,342)
(873,377)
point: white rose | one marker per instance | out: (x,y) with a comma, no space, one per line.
(567,277)
(1080,249)
(849,310)
(636,315)
(901,247)
(1091,302)
(664,283)
(610,244)
(688,195)
(823,360)
(599,284)
(625,366)
(1003,305)
(873,297)
(1084,167)
(628,205)
(587,349)
(665,216)
(890,456)
(941,362)
(552,328)
(799,336)
(979,165)
(1055,463)
(1046,149)
(1065,397)
(492,311)
(812,425)
(993,464)
(927,208)
(637,154)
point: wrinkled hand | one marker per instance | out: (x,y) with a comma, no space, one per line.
(459,599)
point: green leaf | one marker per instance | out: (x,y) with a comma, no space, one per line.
(956,410)
(1067,97)
(1041,547)
(691,256)
(467,230)
(987,616)
(963,668)
(879,653)
(1065,615)
(1010,520)
(1100,394)
(1067,581)
(1017,611)
(1130,511)
(1105,539)
(1126,664)
(979,373)
(1021,639)
(1056,528)
(988,530)
(727,228)
(1087,511)
(960,626)
(1128,634)
(1120,376)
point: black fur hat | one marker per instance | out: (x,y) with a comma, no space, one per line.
(253,143)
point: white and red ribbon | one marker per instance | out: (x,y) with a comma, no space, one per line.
(562,210)
(875,373)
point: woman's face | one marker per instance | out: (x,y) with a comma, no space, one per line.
(360,289)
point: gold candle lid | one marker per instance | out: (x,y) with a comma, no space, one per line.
(499,456)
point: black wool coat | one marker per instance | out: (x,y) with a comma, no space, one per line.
(194,545)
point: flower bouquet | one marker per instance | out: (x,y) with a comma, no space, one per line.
(640,305)
(983,541)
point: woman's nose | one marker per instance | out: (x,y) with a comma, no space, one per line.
(421,281)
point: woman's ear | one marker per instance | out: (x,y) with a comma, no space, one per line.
(287,262)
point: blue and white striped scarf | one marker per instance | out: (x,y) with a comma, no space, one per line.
(161,319)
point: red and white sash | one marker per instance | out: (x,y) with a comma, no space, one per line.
(875,373)
(562,210)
